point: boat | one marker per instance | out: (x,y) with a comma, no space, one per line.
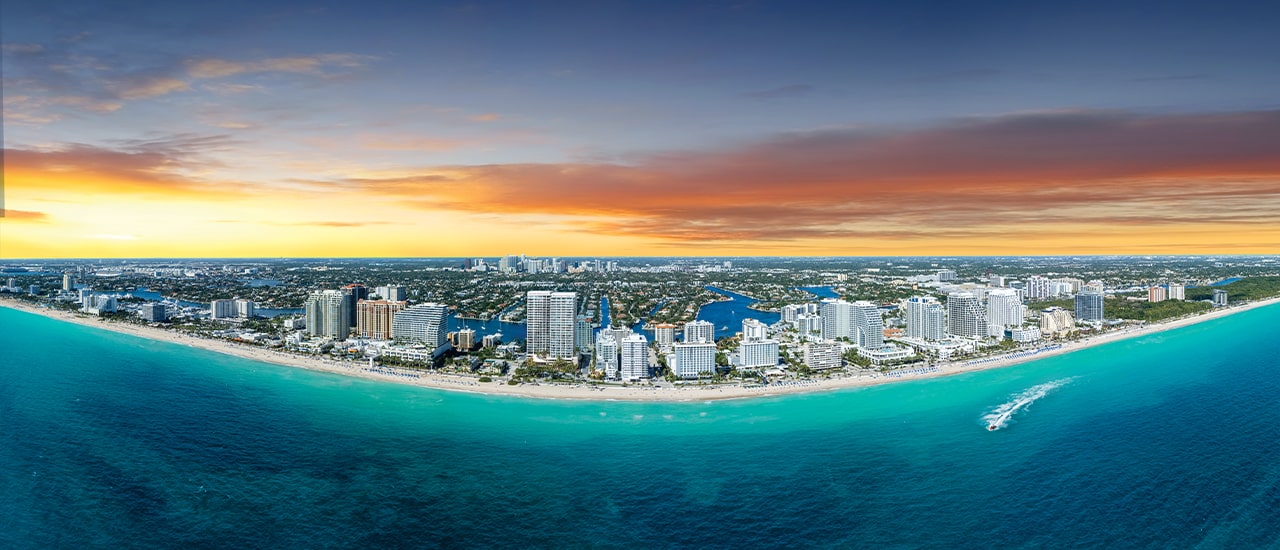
(991,427)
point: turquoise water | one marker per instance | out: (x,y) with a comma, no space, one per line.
(112,441)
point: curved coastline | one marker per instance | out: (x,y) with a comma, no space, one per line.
(605,393)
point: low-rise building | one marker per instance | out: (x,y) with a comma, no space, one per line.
(888,352)
(1023,334)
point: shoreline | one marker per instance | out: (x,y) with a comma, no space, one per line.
(584,391)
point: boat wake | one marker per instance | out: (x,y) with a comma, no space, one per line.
(1000,416)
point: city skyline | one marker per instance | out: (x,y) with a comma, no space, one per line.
(627,129)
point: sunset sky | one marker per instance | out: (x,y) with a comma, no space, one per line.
(604,128)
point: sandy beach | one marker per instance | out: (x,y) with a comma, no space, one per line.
(613,392)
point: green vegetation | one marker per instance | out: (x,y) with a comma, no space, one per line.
(557,369)
(1252,288)
(852,357)
(1136,310)
(1148,311)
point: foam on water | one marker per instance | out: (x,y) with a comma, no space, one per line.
(1000,416)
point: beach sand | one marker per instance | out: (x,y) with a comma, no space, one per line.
(604,392)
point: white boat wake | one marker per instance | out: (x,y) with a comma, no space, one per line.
(1000,416)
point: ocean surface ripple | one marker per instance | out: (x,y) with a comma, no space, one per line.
(109,441)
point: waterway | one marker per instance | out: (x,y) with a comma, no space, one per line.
(728,315)
(820,291)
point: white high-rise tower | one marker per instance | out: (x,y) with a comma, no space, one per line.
(550,322)
(965,316)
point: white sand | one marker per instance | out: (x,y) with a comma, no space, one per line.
(603,392)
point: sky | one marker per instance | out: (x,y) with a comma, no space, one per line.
(608,128)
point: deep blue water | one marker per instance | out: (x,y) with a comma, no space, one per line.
(727,316)
(1165,441)
(510,331)
(820,291)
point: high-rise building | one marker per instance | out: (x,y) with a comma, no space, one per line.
(791,311)
(753,330)
(1004,309)
(154,312)
(549,322)
(1055,322)
(1177,291)
(607,354)
(466,339)
(664,334)
(807,324)
(354,293)
(925,318)
(68,283)
(996,280)
(1157,293)
(837,319)
(223,309)
(1039,288)
(327,314)
(392,293)
(99,304)
(583,334)
(1220,297)
(699,331)
(758,354)
(509,264)
(693,360)
(965,317)
(246,309)
(423,324)
(375,317)
(946,275)
(822,355)
(868,324)
(634,357)
(562,333)
(1073,284)
(1089,305)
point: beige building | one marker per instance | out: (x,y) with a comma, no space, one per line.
(374,318)
(1056,322)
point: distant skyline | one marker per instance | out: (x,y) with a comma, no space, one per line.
(465,129)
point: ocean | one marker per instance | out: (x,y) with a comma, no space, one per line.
(1164,441)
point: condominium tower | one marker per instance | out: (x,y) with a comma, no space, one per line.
(925,318)
(327,314)
(422,324)
(965,317)
(550,322)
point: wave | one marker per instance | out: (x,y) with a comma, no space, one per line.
(999,417)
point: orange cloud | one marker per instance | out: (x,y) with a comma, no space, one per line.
(23,216)
(162,167)
(314,65)
(977,178)
(486,117)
